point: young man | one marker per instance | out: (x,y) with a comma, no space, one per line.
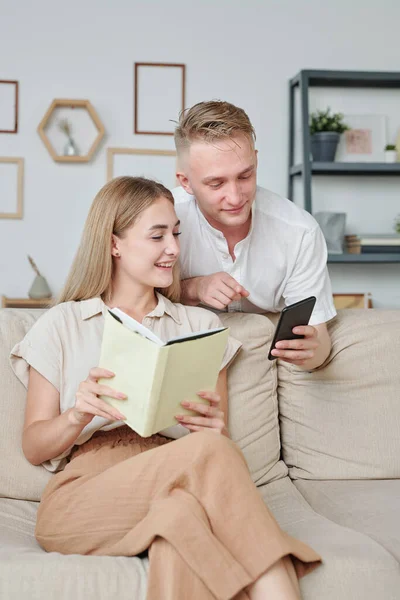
(244,248)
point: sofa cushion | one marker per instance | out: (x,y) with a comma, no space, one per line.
(29,573)
(18,478)
(370,507)
(253,402)
(354,566)
(342,421)
(253,418)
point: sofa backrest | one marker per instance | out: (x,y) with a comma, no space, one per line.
(253,417)
(343,420)
(18,478)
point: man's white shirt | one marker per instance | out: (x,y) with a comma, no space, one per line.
(281,260)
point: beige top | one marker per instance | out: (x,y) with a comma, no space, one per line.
(65,342)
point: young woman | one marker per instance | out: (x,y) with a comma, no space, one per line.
(187,499)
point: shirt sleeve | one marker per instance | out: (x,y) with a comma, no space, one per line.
(41,349)
(310,277)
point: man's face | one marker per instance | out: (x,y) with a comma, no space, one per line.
(222,177)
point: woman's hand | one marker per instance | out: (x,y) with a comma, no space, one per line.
(211,416)
(88,404)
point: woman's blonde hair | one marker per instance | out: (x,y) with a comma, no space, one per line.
(212,121)
(114,210)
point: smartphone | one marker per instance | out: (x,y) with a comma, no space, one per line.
(294,315)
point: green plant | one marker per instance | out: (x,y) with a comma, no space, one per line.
(65,126)
(390,147)
(323,120)
(397,224)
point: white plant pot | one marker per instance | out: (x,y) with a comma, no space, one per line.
(390,156)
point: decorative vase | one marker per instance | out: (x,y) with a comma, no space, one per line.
(390,156)
(70,148)
(323,146)
(39,288)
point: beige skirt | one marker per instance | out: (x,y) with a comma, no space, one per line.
(190,502)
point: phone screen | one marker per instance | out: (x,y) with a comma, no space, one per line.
(292,316)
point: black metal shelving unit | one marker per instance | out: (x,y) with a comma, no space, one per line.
(324,78)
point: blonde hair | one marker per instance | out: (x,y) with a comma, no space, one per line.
(114,210)
(212,121)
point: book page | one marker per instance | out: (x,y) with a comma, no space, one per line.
(192,366)
(136,326)
(134,360)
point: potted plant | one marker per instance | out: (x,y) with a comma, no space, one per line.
(390,153)
(325,130)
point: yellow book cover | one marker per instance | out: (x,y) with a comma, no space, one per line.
(156,375)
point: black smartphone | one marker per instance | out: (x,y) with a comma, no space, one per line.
(294,315)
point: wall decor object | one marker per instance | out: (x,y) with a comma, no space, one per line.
(159,91)
(66,117)
(8,106)
(352,300)
(11,187)
(39,287)
(153,164)
(365,141)
(333,225)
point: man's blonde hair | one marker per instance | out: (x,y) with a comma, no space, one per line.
(114,210)
(210,122)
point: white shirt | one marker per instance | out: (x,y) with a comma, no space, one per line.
(282,259)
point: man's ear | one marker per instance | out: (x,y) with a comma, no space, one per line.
(184,182)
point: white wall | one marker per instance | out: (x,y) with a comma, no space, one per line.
(241,51)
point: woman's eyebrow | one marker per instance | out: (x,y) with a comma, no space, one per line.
(160,226)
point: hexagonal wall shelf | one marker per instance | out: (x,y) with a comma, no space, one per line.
(93,126)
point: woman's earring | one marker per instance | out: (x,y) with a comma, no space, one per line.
(117,254)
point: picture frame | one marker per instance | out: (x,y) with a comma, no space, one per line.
(140,162)
(95,129)
(9,106)
(14,183)
(154,109)
(365,141)
(358,300)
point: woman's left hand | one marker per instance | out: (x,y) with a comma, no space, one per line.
(211,416)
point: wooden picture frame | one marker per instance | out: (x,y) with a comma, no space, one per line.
(142,168)
(66,103)
(18,213)
(160,95)
(14,126)
(342,301)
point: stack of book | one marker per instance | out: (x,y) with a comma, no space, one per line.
(373,243)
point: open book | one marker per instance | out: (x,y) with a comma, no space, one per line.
(156,375)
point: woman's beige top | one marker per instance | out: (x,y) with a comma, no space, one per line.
(65,342)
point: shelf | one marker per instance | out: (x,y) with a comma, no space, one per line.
(381,257)
(348,168)
(26,302)
(327,78)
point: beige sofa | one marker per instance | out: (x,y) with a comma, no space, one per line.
(322,447)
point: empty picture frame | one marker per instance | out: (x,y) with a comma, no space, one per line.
(153,164)
(11,187)
(159,97)
(8,106)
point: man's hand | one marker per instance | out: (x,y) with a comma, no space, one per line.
(308,352)
(216,290)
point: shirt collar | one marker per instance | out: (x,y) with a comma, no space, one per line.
(215,232)
(95,306)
